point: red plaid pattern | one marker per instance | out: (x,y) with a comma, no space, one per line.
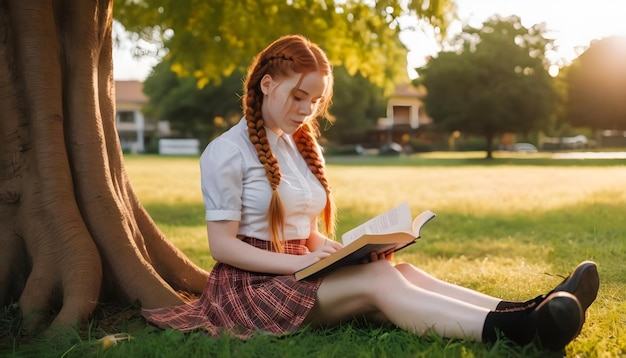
(242,302)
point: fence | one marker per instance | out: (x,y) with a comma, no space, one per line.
(179,146)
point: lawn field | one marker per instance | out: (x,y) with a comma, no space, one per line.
(511,227)
(506,227)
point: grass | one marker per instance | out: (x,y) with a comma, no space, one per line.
(512,227)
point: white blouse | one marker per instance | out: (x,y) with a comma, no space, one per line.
(235,187)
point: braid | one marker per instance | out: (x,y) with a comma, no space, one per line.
(258,137)
(307,146)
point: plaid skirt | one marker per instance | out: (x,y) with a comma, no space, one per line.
(241,302)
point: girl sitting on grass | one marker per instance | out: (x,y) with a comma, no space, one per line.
(265,188)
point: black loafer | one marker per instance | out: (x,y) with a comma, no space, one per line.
(583,283)
(558,319)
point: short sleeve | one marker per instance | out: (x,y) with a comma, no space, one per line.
(221,169)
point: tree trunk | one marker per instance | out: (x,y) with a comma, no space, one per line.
(72,231)
(489,138)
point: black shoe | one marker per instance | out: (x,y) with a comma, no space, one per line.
(557,320)
(583,283)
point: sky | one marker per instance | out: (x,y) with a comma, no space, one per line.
(573,24)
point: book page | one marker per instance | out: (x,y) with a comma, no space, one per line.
(397,219)
(421,220)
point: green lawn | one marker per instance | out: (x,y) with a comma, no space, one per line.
(512,227)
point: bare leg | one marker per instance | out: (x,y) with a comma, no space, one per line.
(424,280)
(380,290)
(379,287)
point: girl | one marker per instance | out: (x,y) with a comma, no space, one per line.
(264,188)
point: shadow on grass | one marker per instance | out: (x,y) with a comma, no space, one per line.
(179,214)
(345,340)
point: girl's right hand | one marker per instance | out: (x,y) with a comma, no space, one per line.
(320,253)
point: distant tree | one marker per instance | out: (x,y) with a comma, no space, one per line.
(211,39)
(202,113)
(356,106)
(557,124)
(495,81)
(596,86)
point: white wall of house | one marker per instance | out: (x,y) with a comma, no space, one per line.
(130,127)
(404,111)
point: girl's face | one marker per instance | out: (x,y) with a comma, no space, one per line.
(286,105)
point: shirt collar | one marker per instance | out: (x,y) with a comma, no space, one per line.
(273,138)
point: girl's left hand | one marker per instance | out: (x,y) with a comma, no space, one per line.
(387,255)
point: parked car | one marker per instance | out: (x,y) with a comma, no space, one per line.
(559,143)
(390,149)
(575,142)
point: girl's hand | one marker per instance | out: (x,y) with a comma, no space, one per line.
(322,252)
(334,244)
(387,255)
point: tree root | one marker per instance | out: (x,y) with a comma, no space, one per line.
(72,227)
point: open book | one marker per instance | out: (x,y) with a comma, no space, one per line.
(392,230)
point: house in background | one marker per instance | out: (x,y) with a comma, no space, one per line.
(405,115)
(404,107)
(134,129)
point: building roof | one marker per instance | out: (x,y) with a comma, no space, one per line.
(130,92)
(408,90)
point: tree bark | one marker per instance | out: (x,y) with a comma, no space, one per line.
(72,231)
(489,138)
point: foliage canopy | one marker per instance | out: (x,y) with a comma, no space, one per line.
(212,39)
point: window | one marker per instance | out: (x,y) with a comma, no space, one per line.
(125,117)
